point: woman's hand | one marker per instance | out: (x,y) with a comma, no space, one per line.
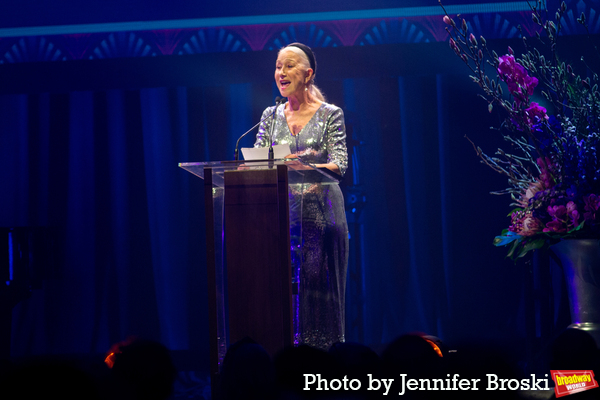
(294,162)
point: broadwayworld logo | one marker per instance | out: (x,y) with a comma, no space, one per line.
(569,382)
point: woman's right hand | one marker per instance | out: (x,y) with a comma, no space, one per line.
(295,163)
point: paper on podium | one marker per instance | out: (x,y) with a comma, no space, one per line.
(262,153)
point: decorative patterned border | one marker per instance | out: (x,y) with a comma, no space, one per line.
(414,25)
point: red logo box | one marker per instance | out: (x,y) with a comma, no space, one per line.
(572,381)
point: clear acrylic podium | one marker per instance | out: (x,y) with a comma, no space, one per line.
(254,248)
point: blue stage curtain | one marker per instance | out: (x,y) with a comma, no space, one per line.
(100,167)
(428,263)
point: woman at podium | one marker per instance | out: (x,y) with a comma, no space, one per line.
(316,134)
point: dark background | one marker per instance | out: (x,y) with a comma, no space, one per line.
(89,148)
(45,13)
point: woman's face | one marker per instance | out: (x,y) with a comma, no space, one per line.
(290,75)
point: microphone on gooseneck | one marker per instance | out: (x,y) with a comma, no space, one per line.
(278,101)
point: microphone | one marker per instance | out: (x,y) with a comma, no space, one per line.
(278,101)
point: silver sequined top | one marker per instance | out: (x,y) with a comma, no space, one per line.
(320,269)
(321,141)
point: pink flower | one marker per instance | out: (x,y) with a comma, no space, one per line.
(531,226)
(454,47)
(529,193)
(524,224)
(548,168)
(544,182)
(472,39)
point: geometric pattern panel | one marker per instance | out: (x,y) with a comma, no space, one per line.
(418,25)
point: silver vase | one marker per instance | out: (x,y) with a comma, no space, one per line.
(580,260)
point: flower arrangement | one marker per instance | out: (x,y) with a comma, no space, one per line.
(553,170)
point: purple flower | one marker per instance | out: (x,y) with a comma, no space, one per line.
(535,113)
(592,203)
(519,83)
(506,65)
(557,194)
(555,226)
(559,219)
(573,214)
(557,212)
